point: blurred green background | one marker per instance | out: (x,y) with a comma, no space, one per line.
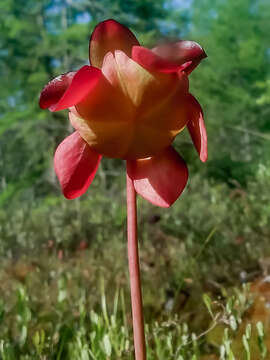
(215,236)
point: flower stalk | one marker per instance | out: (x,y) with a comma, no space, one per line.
(134,273)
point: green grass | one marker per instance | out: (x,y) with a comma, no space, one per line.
(81,326)
(54,254)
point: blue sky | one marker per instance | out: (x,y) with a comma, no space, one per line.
(184,4)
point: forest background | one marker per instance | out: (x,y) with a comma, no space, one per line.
(215,237)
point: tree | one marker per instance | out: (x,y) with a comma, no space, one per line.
(235,37)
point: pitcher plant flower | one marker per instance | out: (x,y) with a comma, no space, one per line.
(130,103)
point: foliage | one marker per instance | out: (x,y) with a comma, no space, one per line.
(234,34)
(78,330)
(216,235)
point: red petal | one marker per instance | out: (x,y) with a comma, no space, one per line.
(55,89)
(83,82)
(159,179)
(196,127)
(152,62)
(75,165)
(109,36)
(181,52)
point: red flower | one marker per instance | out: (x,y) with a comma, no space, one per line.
(129,104)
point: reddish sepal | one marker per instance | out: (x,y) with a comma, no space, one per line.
(181,52)
(160,179)
(55,89)
(66,91)
(75,165)
(152,62)
(196,127)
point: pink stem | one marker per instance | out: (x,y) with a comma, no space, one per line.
(134,273)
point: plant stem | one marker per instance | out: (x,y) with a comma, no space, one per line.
(134,273)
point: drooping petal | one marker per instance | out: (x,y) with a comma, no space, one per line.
(57,97)
(160,179)
(155,63)
(75,165)
(55,89)
(196,127)
(109,36)
(182,52)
